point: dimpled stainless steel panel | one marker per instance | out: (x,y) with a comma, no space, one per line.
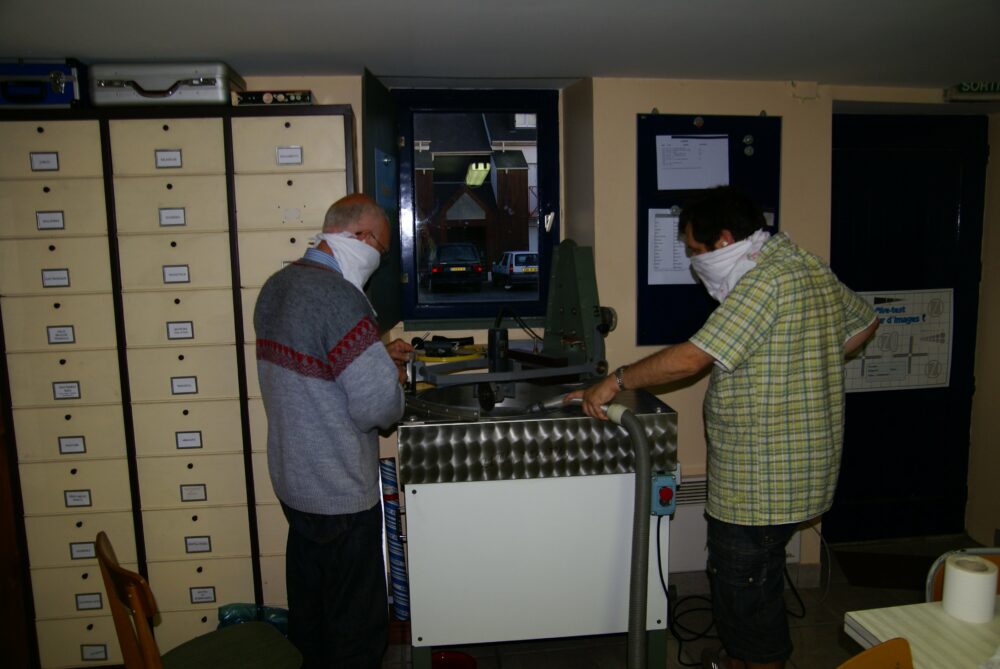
(533,446)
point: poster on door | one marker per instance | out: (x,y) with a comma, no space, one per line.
(912,346)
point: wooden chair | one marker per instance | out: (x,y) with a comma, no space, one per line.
(934,586)
(132,606)
(892,654)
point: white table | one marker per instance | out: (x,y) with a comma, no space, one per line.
(937,640)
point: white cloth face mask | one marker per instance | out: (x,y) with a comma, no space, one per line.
(720,269)
(357,260)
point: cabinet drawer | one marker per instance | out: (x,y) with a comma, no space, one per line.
(96,486)
(64,541)
(289,144)
(33,266)
(201,584)
(71,592)
(181,374)
(192,534)
(58,322)
(170,204)
(272,574)
(287,200)
(45,149)
(67,378)
(263,490)
(249,298)
(69,433)
(169,262)
(176,627)
(187,428)
(167,146)
(264,253)
(272,529)
(179,317)
(258,425)
(52,208)
(195,481)
(78,641)
(253,379)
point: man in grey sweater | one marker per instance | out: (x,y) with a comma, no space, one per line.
(329,385)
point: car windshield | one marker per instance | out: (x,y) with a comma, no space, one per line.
(527,259)
(457,254)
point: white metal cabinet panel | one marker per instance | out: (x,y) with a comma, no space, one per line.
(52,208)
(73,642)
(202,584)
(287,200)
(70,592)
(171,262)
(168,205)
(167,146)
(95,486)
(183,373)
(192,482)
(70,265)
(69,433)
(58,322)
(187,428)
(193,534)
(68,378)
(288,144)
(68,540)
(60,148)
(179,317)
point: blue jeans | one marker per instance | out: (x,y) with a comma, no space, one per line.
(746,566)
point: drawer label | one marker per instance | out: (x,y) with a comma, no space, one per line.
(61,334)
(44,162)
(93,652)
(188,439)
(184,385)
(176,274)
(180,330)
(168,158)
(50,220)
(55,278)
(171,216)
(68,445)
(197,544)
(65,390)
(289,155)
(83,550)
(194,492)
(204,595)
(75,498)
(89,601)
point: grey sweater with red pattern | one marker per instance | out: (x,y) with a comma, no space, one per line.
(328,386)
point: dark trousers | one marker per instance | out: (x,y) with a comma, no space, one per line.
(338,614)
(746,565)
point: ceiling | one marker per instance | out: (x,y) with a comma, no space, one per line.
(925,43)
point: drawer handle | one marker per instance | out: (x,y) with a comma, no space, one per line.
(170,186)
(79,523)
(177,300)
(190,465)
(180,357)
(46,189)
(200,569)
(173,245)
(52,247)
(62,361)
(204,619)
(39,130)
(292,240)
(290,182)
(185,412)
(166,128)
(288,124)
(73,471)
(57,305)
(90,627)
(84,576)
(194,519)
(68,416)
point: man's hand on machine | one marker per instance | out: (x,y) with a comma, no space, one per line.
(400,352)
(596,397)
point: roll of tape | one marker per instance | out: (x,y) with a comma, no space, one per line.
(970,588)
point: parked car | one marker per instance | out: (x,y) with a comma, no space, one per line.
(455,265)
(516,268)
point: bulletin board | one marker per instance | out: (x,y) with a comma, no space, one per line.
(678,156)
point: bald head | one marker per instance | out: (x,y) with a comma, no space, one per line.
(359,214)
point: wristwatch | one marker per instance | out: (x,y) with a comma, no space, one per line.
(620,378)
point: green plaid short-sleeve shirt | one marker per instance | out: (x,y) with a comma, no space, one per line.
(775,403)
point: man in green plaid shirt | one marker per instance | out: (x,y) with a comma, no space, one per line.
(774,408)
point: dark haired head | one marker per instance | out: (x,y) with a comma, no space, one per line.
(718,209)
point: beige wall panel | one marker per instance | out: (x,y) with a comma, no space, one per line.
(82,487)
(249,298)
(135,145)
(264,253)
(196,534)
(194,317)
(77,143)
(58,322)
(176,627)
(78,641)
(170,262)
(183,373)
(57,591)
(272,573)
(67,378)
(258,425)
(201,584)
(195,481)
(263,490)
(187,428)
(272,529)
(69,433)
(171,204)
(71,265)
(288,144)
(287,200)
(66,541)
(52,208)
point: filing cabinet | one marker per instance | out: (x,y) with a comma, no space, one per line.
(262,480)
(264,253)
(183,374)
(69,378)
(178,318)
(68,540)
(148,147)
(71,592)
(287,200)
(176,627)
(196,481)
(258,424)
(171,204)
(197,533)
(272,529)
(52,207)
(272,571)
(288,144)
(182,428)
(73,486)
(78,641)
(65,265)
(47,149)
(170,262)
(59,322)
(249,298)
(69,433)
(201,584)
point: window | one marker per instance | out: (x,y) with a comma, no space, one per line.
(479,179)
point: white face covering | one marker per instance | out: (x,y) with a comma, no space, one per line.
(357,260)
(720,269)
